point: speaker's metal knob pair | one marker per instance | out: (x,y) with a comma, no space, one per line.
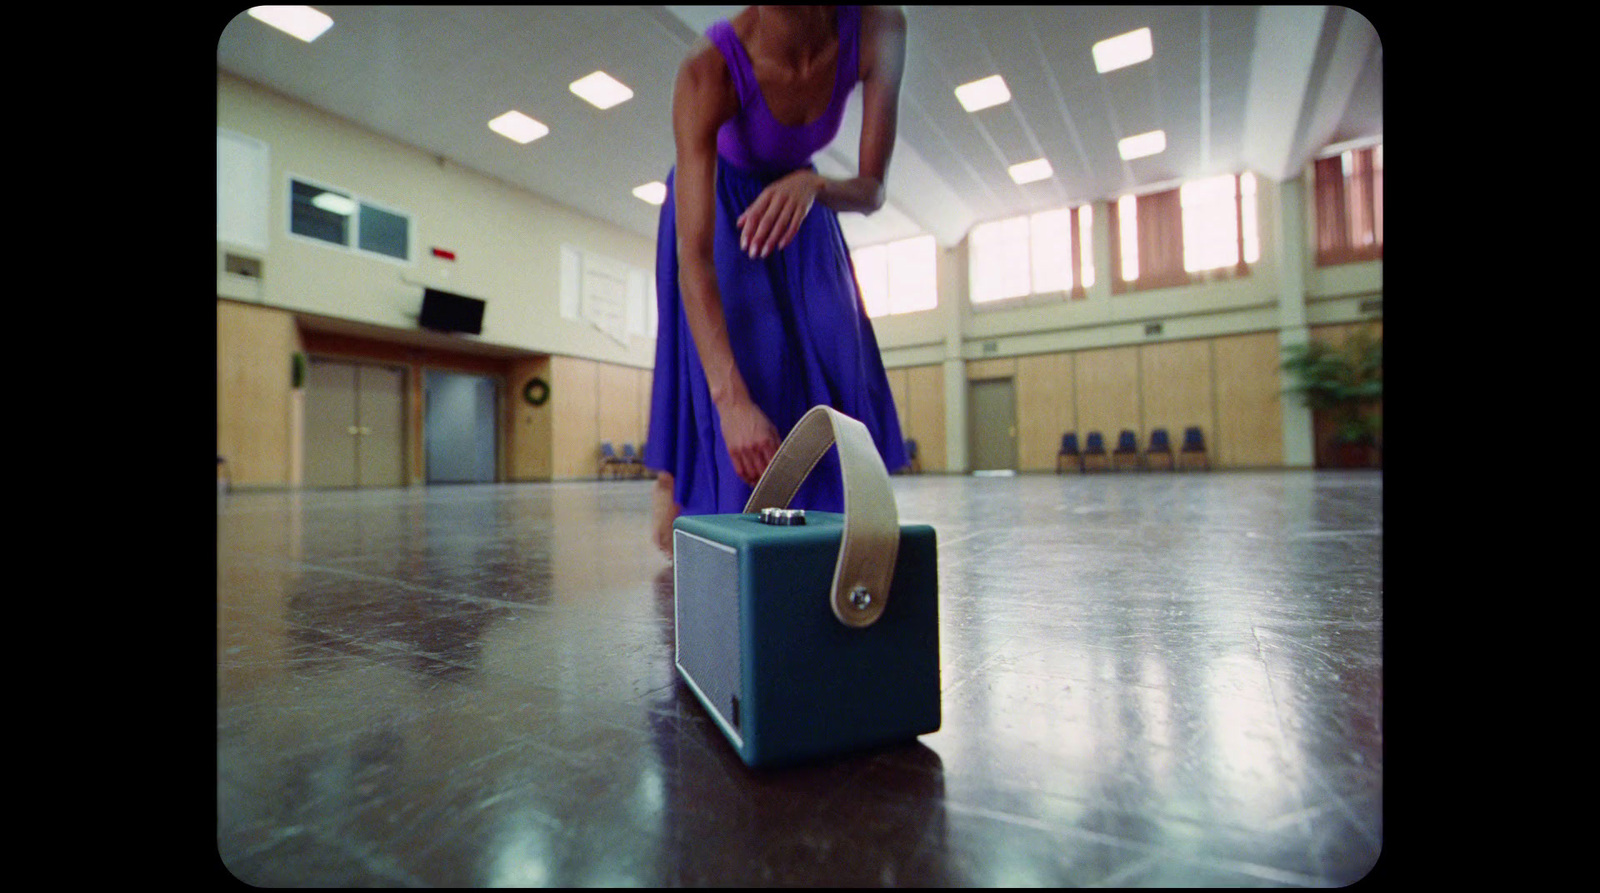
(783,517)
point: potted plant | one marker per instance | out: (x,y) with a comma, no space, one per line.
(1345,382)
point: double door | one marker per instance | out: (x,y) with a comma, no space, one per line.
(355,425)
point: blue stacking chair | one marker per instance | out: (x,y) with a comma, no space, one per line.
(1193,451)
(1094,452)
(1069,452)
(1126,455)
(631,461)
(1159,451)
(608,458)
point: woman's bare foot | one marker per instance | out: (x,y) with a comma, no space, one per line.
(666,510)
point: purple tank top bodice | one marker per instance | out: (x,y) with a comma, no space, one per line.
(753,139)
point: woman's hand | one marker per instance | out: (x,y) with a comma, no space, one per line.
(773,219)
(751,437)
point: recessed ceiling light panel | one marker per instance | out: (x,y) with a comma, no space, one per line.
(1123,50)
(1029,171)
(1152,143)
(601,90)
(301,21)
(517,127)
(981,94)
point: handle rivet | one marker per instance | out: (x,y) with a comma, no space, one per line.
(860,598)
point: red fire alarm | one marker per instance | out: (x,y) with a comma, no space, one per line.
(447,255)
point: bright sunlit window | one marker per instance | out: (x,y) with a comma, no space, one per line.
(1203,225)
(1031,255)
(1128,236)
(898,277)
(1211,222)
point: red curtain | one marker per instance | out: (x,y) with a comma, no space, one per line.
(1349,208)
(1160,227)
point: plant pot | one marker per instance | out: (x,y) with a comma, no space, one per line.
(1346,454)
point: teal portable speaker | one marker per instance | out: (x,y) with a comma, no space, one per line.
(810,634)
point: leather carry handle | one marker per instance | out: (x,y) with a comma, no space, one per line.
(871,539)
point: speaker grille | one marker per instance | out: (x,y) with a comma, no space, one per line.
(706,608)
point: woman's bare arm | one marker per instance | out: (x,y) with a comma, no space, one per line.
(703,99)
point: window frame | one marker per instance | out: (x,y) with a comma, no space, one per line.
(353,245)
(888,278)
(1077,291)
(1182,278)
(1347,253)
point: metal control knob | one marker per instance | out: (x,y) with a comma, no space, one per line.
(783,517)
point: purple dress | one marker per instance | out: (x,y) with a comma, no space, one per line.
(797,325)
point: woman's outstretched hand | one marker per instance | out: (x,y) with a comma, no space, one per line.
(773,219)
(751,437)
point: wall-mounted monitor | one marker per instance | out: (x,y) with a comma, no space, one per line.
(444,311)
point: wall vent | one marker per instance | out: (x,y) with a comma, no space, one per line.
(239,265)
(1152,329)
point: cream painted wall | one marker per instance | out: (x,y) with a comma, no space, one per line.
(507,241)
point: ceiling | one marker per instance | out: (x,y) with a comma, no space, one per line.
(1234,87)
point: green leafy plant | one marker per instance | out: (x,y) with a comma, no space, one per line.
(1346,382)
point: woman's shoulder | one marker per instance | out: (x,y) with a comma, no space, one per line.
(876,20)
(705,78)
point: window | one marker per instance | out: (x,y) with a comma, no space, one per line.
(1179,236)
(899,277)
(1349,190)
(1211,225)
(1040,253)
(339,218)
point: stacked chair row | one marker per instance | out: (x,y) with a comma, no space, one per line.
(627,462)
(1157,455)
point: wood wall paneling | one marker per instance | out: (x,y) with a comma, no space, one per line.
(1107,397)
(924,414)
(528,426)
(1045,408)
(254,406)
(1249,426)
(618,396)
(646,384)
(897,390)
(1176,388)
(574,401)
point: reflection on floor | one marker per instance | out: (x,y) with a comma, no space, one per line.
(1149,679)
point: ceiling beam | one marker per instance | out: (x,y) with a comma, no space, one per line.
(1352,49)
(1286,43)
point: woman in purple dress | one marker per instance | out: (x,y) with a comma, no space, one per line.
(760,316)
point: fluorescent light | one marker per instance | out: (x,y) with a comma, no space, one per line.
(654,192)
(1123,50)
(1152,143)
(301,21)
(1029,171)
(981,94)
(334,203)
(517,127)
(601,90)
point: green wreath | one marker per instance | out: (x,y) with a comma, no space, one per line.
(536,391)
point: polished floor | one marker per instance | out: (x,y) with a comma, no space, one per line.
(1149,679)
